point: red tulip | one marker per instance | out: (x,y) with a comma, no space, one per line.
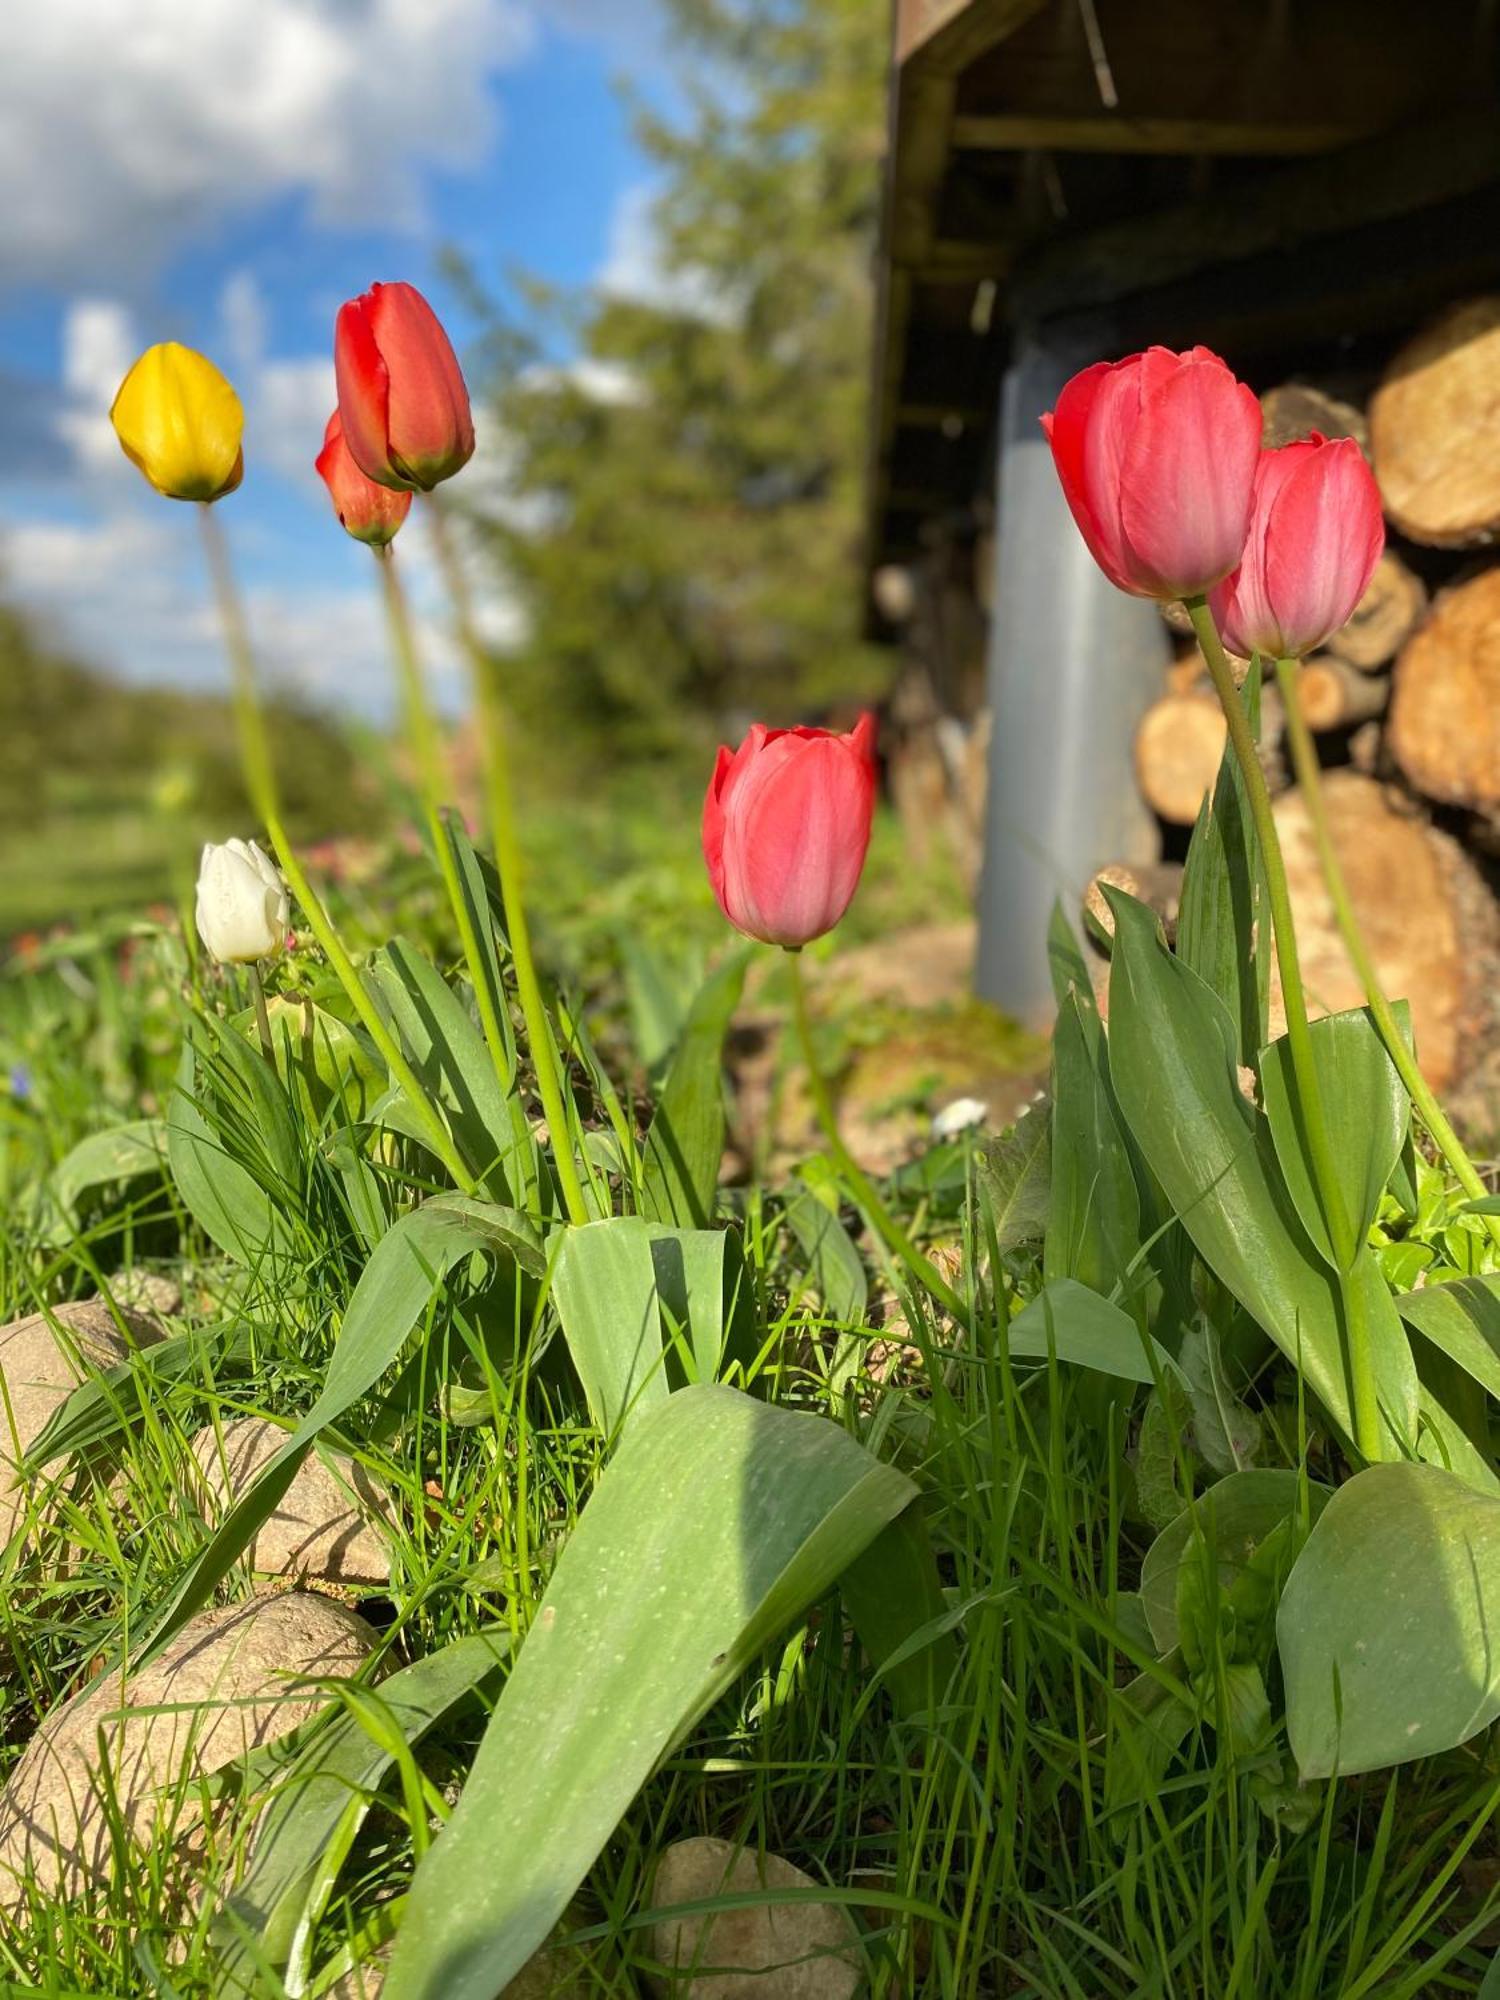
(1315,537)
(785,827)
(402,398)
(369,512)
(1156,455)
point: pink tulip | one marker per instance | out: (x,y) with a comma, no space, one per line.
(1315,537)
(1156,455)
(402,399)
(785,827)
(369,512)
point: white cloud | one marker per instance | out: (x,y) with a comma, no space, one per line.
(125,129)
(635,266)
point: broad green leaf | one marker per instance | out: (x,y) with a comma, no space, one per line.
(718,1522)
(605,1290)
(1173,1050)
(1077,1325)
(1222,923)
(895,1601)
(703,1296)
(659,991)
(1367,1112)
(685,1144)
(1463,1320)
(1152,1717)
(121,1154)
(834,1265)
(1387,1623)
(1233,1518)
(395,1291)
(334,1775)
(333,1061)
(1070,972)
(1093,1223)
(449,1055)
(229,1203)
(1014,1176)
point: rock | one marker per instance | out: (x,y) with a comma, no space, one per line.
(795,1951)
(227,1683)
(149,1292)
(42,1361)
(317,1530)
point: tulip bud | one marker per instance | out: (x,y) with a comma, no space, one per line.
(180,421)
(785,827)
(243,906)
(402,399)
(1157,456)
(1316,533)
(369,512)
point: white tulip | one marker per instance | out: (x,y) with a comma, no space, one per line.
(243,905)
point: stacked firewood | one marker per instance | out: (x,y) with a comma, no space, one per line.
(1405,704)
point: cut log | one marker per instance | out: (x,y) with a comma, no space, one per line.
(1177,750)
(1334,696)
(1385,617)
(1445,710)
(1429,920)
(1433,425)
(1156,884)
(1294,410)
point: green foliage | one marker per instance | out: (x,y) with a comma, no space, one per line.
(683,509)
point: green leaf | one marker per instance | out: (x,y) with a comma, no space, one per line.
(834,1265)
(395,1291)
(1463,1320)
(895,1601)
(1077,1325)
(1070,972)
(1014,1174)
(685,1144)
(450,1057)
(703,1294)
(1387,1623)
(1173,1051)
(1367,1112)
(107,1402)
(1232,1518)
(719,1521)
(334,1775)
(123,1153)
(1222,911)
(1093,1224)
(230,1204)
(604,1288)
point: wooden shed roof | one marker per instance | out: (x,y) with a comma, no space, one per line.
(1047,156)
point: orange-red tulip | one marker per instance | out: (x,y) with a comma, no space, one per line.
(369,512)
(402,399)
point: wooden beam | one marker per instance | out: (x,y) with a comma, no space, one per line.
(948,34)
(1011,133)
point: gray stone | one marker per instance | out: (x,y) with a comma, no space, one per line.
(149,1292)
(792,1951)
(42,1361)
(317,1530)
(227,1683)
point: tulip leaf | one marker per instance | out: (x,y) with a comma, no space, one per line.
(231,1204)
(1174,1060)
(1070,972)
(1366,1109)
(1222,910)
(123,1153)
(719,1521)
(1093,1222)
(1463,1320)
(1387,1623)
(685,1145)
(397,1289)
(1232,1519)
(1078,1326)
(1014,1176)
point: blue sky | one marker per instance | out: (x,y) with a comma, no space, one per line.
(226,175)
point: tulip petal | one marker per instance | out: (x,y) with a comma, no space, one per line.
(364,387)
(429,426)
(180,423)
(1087,432)
(1325,535)
(1188,475)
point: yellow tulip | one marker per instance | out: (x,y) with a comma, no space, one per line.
(180,421)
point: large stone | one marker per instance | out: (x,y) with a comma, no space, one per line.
(317,1530)
(791,1951)
(42,1361)
(232,1679)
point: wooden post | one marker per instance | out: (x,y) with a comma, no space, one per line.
(1073,666)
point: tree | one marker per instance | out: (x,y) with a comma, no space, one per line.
(682,517)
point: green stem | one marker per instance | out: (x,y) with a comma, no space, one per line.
(262,1018)
(500,801)
(261,779)
(1310,778)
(422,733)
(1363,1393)
(859,1181)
